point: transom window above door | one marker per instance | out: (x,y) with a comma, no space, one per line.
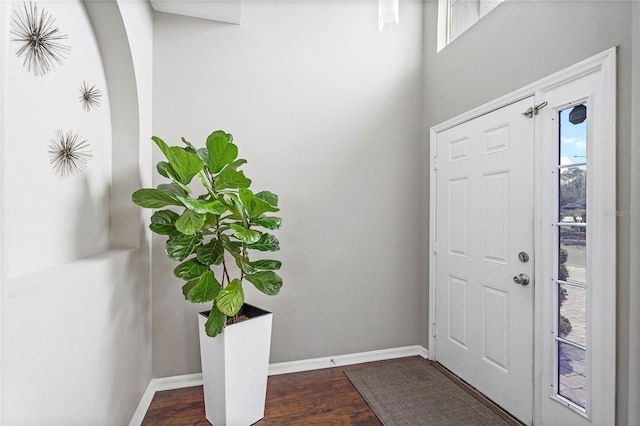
(456,16)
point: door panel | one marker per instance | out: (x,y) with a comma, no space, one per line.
(457,311)
(495,220)
(484,195)
(495,342)
(458,220)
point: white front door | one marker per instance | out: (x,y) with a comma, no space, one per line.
(484,240)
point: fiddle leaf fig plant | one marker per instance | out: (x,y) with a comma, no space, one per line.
(213,230)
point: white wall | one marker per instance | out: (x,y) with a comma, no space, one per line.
(326,109)
(76,335)
(77,207)
(518,43)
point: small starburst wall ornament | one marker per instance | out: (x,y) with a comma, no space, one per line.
(69,153)
(39,37)
(89,96)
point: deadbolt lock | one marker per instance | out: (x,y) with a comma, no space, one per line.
(523,256)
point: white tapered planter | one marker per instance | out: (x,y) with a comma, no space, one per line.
(235,366)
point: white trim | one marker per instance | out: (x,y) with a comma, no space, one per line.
(161,384)
(143,405)
(433,237)
(442,24)
(604,62)
(177,382)
(600,93)
(349,359)
(4,30)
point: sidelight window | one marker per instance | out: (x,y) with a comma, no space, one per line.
(572,266)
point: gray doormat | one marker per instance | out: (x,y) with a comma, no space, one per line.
(413,392)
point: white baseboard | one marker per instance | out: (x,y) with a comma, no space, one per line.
(177,382)
(143,405)
(349,359)
(164,383)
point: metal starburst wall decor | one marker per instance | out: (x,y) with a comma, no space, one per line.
(89,96)
(69,153)
(39,37)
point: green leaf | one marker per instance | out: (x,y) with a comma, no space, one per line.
(267,242)
(244,266)
(221,150)
(187,288)
(254,205)
(267,282)
(259,265)
(269,197)
(153,198)
(163,168)
(203,206)
(269,222)
(235,164)
(172,189)
(243,234)
(163,147)
(206,289)
(180,246)
(215,323)
(266,264)
(204,154)
(210,253)
(167,171)
(231,298)
(190,222)
(190,148)
(185,164)
(231,179)
(235,207)
(163,222)
(234,248)
(189,270)
(231,246)
(211,220)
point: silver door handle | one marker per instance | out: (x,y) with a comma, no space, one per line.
(521,279)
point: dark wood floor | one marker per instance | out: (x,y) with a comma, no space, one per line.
(321,398)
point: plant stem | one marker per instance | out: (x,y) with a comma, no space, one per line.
(244,256)
(224,270)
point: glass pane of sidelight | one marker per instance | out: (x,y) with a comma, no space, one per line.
(572,198)
(571,308)
(572,318)
(572,254)
(572,374)
(573,135)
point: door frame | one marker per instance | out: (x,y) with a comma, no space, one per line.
(4,52)
(604,63)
